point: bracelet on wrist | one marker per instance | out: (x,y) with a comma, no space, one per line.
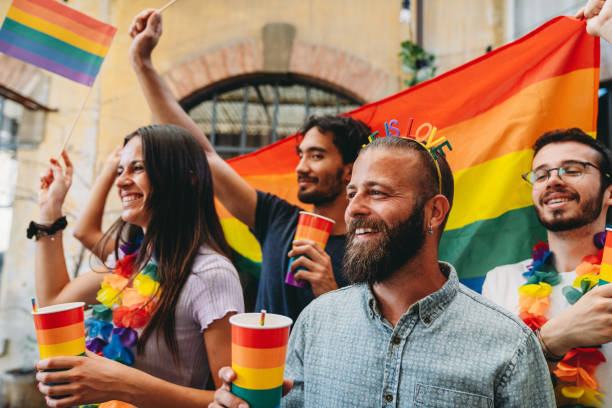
(40,230)
(550,356)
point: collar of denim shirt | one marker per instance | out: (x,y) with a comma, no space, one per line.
(430,307)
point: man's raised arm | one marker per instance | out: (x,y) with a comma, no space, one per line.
(235,194)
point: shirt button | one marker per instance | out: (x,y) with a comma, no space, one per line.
(396,340)
(426,320)
(389,397)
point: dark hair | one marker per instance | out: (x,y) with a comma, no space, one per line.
(579,136)
(349,134)
(183,218)
(429,184)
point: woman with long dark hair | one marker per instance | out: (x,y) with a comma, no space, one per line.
(165,308)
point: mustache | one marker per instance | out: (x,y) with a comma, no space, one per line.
(560,191)
(370,223)
(306,178)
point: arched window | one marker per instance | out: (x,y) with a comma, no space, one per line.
(245,115)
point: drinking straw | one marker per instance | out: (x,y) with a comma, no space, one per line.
(263,317)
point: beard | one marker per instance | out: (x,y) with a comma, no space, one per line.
(373,262)
(329,186)
(590,210)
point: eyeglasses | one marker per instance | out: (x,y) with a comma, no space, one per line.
(570,172)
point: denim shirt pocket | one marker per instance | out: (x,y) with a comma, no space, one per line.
(430,396)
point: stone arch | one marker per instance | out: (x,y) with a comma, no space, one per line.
(334,68)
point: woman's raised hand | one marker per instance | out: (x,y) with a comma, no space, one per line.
(54,185)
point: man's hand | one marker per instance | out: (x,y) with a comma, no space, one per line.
(599,18)
(224,396)
(586,323)
(319,271)
(146,29)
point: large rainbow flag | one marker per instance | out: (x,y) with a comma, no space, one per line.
(491,110)
(57,38)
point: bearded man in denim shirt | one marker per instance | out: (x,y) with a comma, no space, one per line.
(406,333)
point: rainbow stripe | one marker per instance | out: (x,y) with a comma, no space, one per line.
(60,333)
(258,358)
(57,38)
(605,274)
(491,110)
(313,227)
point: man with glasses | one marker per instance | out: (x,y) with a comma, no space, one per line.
(571,191)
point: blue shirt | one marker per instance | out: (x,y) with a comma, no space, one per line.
(275,225)
(451,349)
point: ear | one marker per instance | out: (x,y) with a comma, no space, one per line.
(347,172)
(438,209)
(607,196)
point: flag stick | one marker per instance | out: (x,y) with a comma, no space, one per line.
(161,10)
(76,118)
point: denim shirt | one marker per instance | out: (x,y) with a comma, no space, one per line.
(452,348)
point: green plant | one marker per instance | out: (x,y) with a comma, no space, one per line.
(417,62)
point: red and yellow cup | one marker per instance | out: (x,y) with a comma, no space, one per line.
(60,330)
(315,228)
(258,357)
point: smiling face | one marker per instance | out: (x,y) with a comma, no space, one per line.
(385,215)
(320,172)
(133,184)
(562,205)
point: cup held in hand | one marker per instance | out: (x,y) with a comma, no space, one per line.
(60,331)
(315,228)
(258,357)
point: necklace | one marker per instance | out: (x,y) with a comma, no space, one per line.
(127,303)
(575,373)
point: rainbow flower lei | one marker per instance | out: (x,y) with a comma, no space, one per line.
(127,303)
(575,373)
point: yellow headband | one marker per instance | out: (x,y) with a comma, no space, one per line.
(434,157)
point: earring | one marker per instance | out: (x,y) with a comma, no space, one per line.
(430,230)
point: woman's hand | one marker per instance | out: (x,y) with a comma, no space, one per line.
(91,379)
(112,162)
(145,30)
(54,185)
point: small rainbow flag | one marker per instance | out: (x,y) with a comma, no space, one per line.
(57,38)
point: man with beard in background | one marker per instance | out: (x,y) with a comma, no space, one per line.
(406,333)
(328,146)
(571,192)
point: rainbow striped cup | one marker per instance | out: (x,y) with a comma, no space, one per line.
(315,228)
(60,330)
(258,357)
